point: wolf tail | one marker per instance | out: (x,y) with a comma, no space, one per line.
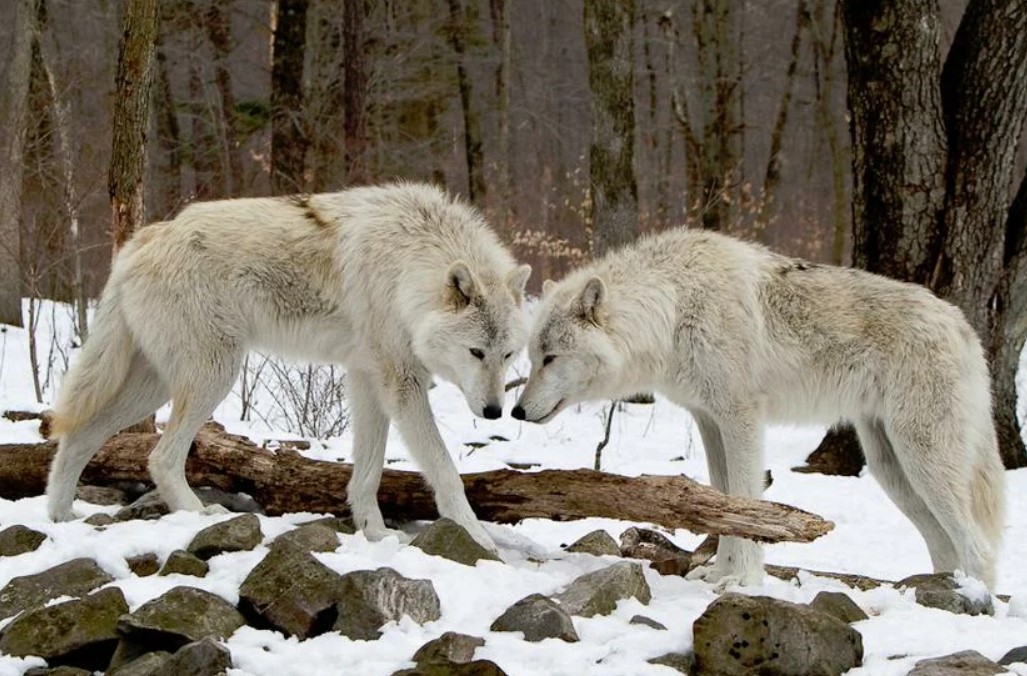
(988,491)
(100,370)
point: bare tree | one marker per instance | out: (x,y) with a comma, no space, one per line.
(289,139)
(354,57)
(13,117)
(459,29)
(131,117)
(614,192)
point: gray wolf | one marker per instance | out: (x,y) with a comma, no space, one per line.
(741,336)
(397,283)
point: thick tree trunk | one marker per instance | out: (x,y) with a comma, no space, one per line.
(287,482)
(131,117)
(289,138)
(219,32)
(473,151)
(502,40)
(614,193)
(169,140)
(354,65)
(13,117)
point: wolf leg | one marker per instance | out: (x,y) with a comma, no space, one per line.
(141,394)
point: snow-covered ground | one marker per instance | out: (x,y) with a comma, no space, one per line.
(870,538)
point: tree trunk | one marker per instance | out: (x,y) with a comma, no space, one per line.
(354,123)
(219,32)
(285,481)
(131,117)
(614,193)
(473,153)
(14,117)
(169,139)
(289,138)
(501,38)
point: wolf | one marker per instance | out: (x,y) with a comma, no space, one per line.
(396,282)
(741,337)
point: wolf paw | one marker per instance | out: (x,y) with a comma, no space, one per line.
(376,534)
(215,510)
(66,515)
(477,531)
(723,580)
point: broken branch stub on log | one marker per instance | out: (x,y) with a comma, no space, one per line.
(284,481)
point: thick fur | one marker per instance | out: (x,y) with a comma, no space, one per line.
(397,282)
(741,336)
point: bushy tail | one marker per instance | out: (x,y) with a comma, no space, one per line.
(96,376)
(989,492)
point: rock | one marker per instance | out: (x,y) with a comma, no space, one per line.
(74,578)
(144,565)
(102,495)
(370,598)
(292,592)
(450,647)
(664,556)
(100,520)
(336,523)
(200,658)
(475,668)
(239,503)
(147,507)
(239,534)
(598,592)
(184,563)
(539,618)
(80,633)
(647,621)
(965,663)
(941,590)
(683,662)
(148,664)
(58,671)
(596,543)
(839,605)
(19,539)
(179,616)
(1015,655)
(740,634)
(313,537)
(450,540)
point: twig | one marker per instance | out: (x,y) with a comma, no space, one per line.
(606,437)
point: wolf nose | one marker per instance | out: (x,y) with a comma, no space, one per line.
(492,411)
(518,412)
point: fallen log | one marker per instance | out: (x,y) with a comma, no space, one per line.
(284,481)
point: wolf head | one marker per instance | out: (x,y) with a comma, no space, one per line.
(573,357)
(479,329)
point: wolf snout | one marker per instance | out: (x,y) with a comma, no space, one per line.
(518,412)
(492,411)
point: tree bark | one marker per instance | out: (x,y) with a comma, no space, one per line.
(354,123)
(13,117)
(614,192)
(289,138)
(131,117)
(219,32)
(169,139)
(285,481)
(502,40)
(473,151)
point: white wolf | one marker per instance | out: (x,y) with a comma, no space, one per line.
(741,336)
(397,282)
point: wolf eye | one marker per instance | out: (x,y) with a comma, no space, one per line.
(477,354)
(548,359)
(507,356)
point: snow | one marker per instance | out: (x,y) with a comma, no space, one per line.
(871,538)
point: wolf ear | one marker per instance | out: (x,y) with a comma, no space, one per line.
(517,279)
(462,285)
(548,286)
(590,300)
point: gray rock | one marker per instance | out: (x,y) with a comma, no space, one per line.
(184,563)
(102,495)
(144,565)
(598,592)
(292,592)
(339,524)
(100,520)
(234,535)
(80,633)
(450,540)
(58,671)
(663,555)
(147,664)
(683,662)
(596,543)
(450,647)
(180,616)
(965,663)
(445,668)
(74,578)
(313,537)
(19,539)
(200,658)
(647,621)
(539,618)
(740,634)
(838,604)
(370,598)
(1015,655)
(940,590)
(147,507)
